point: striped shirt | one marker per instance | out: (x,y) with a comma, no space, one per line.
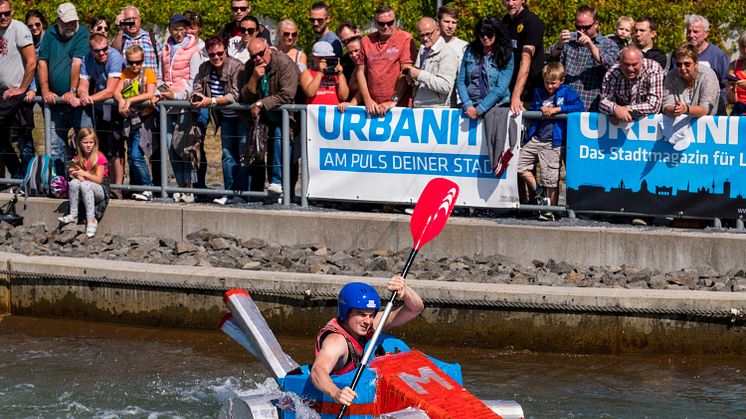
(217,90)
(152,53)
(643,94)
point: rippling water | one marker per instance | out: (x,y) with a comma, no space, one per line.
(73,369)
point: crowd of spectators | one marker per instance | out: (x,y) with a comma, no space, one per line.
(504,65)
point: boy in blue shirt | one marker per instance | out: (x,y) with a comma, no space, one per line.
(546,137)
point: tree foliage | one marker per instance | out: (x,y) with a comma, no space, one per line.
(727,17)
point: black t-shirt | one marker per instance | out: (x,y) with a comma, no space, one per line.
(656,55)
(526,29)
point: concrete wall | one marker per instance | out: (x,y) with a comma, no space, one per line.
(662,249)
(300,304)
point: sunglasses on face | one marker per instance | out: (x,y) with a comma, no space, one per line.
(427,34)
(259,54)
(102,49)
(389,23)
(316,19)
(102,28)
(686,64)
(6,14)
(239,9)
(249,31)
(216,54)
(34,25)
(133,62)
(351,39)
(487,35)
(584,27)
(290,34)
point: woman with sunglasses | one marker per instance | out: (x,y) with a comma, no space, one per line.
(288,36)
(37,24)
(238,46)
(689,91)
(486,69)
(99,24)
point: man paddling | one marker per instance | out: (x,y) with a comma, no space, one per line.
(340,344)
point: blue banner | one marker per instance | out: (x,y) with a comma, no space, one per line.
(634,168)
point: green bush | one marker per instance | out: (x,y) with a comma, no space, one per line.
(726,17)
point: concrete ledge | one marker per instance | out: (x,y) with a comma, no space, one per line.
(307,301)
(662,249)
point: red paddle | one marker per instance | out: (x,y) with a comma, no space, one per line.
(428,219)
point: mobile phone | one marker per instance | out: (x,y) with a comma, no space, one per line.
(573,36)
(163,87)
(196,98)
(405,70)
(732,78)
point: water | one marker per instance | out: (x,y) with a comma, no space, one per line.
(72,369)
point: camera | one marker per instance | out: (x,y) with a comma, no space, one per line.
(573,36)
(405,70)
(331,66)
(127,23)
(196,98)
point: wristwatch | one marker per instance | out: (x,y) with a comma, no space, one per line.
(213,101)
(395,98)
(258,104)
(73,90)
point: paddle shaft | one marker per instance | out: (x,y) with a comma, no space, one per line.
(377,332)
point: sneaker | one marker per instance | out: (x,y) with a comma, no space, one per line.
(275,188)
(187,198)
(177,197)
(143,196)
(90,230)
(67,219)
(221,201)
(237,200)
(546,216)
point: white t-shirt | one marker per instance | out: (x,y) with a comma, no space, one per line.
(12,40)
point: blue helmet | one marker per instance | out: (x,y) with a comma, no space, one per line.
(357,295)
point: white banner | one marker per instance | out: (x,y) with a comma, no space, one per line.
(352,156)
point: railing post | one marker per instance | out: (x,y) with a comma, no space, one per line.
(285,157)
(303,160)
(47,111)
(163,129)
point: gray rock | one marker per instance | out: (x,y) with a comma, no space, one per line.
(253,265)
(254,243)
(170,243)
(66,237)
(219,243)
(380,263)
(184,247)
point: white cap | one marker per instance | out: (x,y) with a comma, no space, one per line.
(67,13)
(323,49)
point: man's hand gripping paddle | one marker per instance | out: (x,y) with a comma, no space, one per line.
(430,215)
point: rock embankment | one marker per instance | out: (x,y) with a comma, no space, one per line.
(204,248)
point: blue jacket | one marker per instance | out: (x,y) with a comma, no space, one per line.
(498,79)
(567,100)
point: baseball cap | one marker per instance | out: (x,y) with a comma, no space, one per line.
(67,13)
(323,49)
(179,19)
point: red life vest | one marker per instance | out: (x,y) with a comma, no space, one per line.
(354,348)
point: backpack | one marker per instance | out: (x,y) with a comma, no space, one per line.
(39,176)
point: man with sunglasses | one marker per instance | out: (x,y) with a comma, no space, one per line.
(61,54)
(526,32)
(272,82)
(238,47)
(383,58)
(99,77)
(17,64)
(320,22)
(434,73)
(586,55)
(130,32)
(232,29)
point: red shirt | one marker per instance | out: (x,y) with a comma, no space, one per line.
(383,60)
(327,92)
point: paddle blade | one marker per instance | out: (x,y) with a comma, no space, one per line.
(432,210)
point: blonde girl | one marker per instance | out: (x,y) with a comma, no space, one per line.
(87,172)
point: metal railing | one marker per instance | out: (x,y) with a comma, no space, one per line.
(164,189)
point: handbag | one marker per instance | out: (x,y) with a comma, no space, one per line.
(186,139)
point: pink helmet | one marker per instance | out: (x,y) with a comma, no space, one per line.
(58,186)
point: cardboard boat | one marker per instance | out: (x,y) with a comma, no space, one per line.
(399,382)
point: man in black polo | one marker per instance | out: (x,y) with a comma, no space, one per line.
(526,32)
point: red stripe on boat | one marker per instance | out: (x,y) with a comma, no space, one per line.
(412,379)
